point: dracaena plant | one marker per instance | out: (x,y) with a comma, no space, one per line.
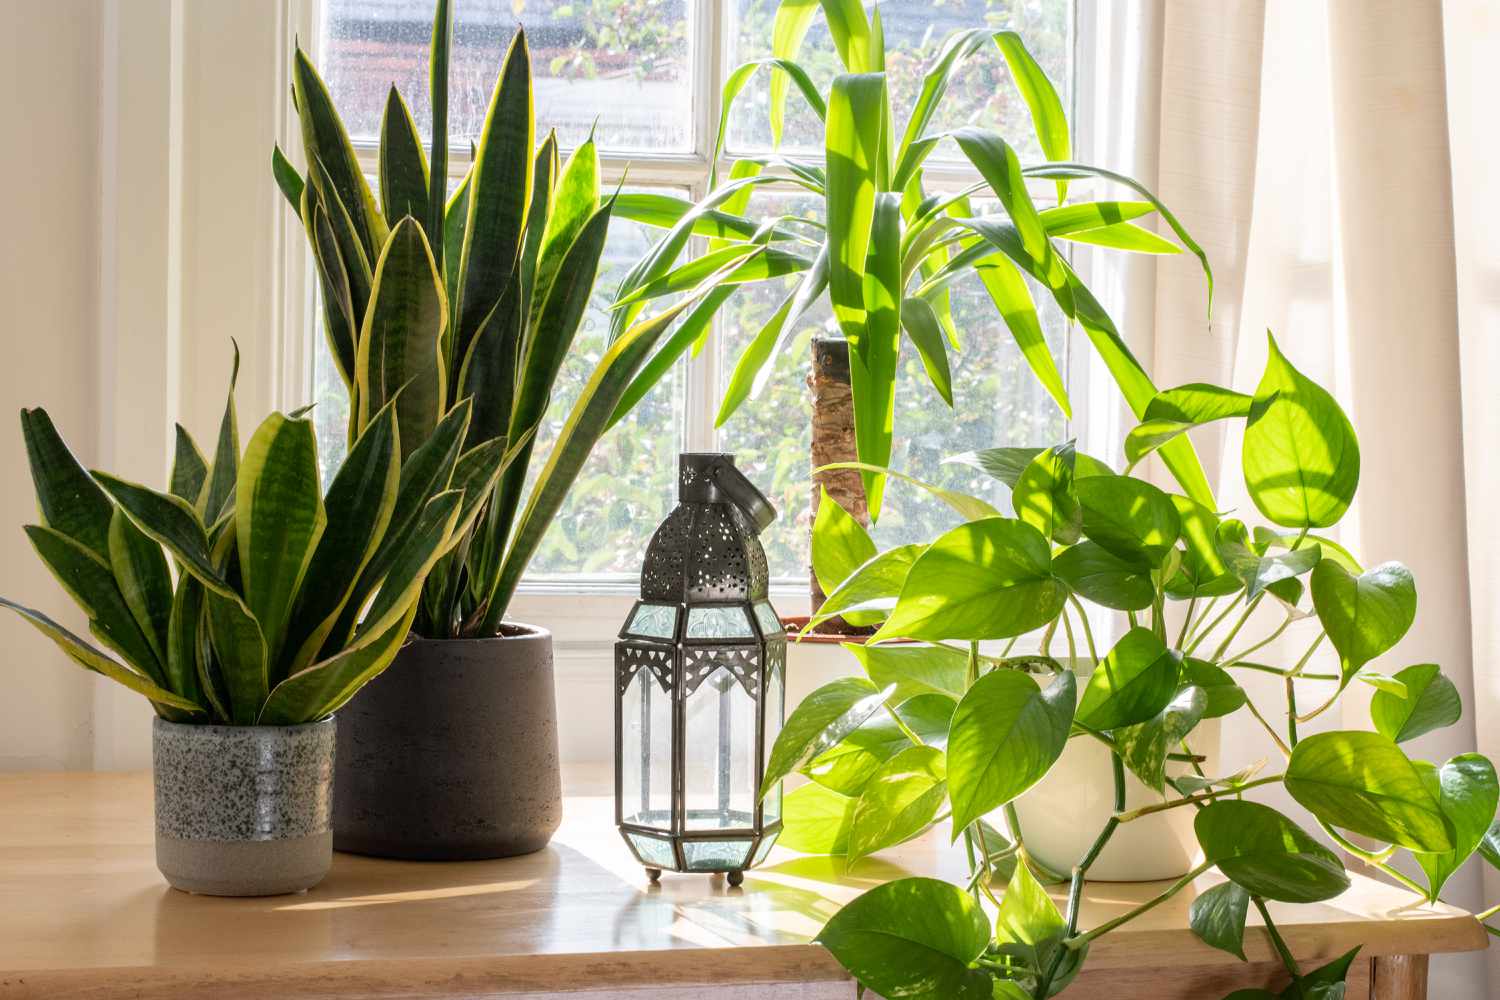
(436,302)
(944,732)
(244,595)
(884,249)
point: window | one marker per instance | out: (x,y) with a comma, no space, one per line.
(648,72)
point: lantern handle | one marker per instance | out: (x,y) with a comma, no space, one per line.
(744,495)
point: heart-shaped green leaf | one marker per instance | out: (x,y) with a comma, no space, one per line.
(1427,701)
(1300,455)
(847,766)
(1266,853)
(1217,916)
(1097,574)
(1364,615)
(1131,684)
(1006,733)
(1129,517)
(840,544)
(1363,782)
(824,718)
(914,668)
(875,584)
(900,801)
(1144,747)
(1044,499)
(1259,572)
(816,820)
(915,938)
(1224,695)
(1029,927)
(988,579)
(1467,792)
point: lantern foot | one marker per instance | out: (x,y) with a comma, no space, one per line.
(735,878)
(654,874)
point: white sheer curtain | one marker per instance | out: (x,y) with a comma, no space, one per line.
(1306,144)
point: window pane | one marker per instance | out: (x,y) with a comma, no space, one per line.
(622,62)
(979,93)
(997,401)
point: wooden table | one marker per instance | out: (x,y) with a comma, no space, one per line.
(84,914)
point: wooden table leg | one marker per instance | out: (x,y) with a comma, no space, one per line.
(1399,977)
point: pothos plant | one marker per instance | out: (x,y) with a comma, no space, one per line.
(884,249)
(940,732)
(244,595)
(471,301)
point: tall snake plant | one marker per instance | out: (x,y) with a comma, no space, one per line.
(286,600)
(885,250)
(435,302)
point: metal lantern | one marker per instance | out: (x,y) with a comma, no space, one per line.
(700,679)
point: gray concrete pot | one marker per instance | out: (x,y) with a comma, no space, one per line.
(243,810)
(451,753)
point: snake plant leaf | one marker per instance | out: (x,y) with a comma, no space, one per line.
(1300,455)
(182,641)
(1012,299)
(1362,782)
(358,508)
(988,579)
(573,208)
(544,186)
(242,653)
(1047,115)
(852,140)
(1134,682)
(783,71)
(915,938)
(357,261)
(1467,792)
(1174,411)
(913,669)
(920,320)
(403,164)
(823,719)
(900,801)
(840,544)
(1427,701)
(1217,917)
(287,179)
(336,170)
(499,196)
(89,658)
(1096,574)
(90,583)
(170,521)
(1267,854)
(487,377)
(1129,517)
(399,343)
(279,519)
(970,508)
(1364,615)
(1260,572)
(871,588)
(218,488)
(319,690)
(455,221)
(189,468)
(1007,732)
(433,536)
(341,316)
(434,217)
(848,766)
(69,500)
(144,582)
(816,820)
(1044,496)
(1144,746)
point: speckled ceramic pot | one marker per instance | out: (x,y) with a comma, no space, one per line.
(243,810)
(451,753)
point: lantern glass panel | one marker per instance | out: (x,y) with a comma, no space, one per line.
(766,617)
(654,621)
(719,755)
(651,851)
(775,693)
(765,847)
(718,622)
(715,855)
(646,753)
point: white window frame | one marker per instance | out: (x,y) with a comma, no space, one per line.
(586,611)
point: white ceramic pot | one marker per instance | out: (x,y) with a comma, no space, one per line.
(1063,813)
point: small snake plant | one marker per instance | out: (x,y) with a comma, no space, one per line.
(245,595)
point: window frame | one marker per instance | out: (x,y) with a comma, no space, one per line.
(591,607)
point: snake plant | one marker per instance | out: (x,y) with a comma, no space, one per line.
(885,249)
(472,299)
(284,600)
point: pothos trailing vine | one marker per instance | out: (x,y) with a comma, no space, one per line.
(945,729)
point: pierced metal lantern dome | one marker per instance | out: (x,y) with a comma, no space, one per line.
(700,679)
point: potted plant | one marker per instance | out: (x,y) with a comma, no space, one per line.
(462,305)
(885,249)
(943,727)
(248,607)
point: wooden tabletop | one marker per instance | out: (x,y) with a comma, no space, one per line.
(84,913)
